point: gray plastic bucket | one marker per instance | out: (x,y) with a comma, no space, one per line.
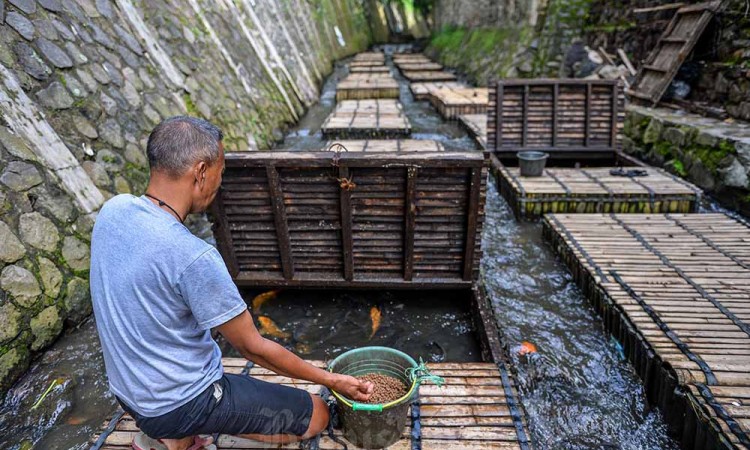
(532,163)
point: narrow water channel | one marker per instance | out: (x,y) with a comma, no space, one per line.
(578,390)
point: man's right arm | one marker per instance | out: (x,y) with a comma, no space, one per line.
(245,338)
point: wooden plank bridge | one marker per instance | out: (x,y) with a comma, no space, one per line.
(674,289)
(476,409)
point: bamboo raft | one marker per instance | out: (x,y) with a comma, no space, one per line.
(399,58)
(375,85)
(419,66)
(359,64)
(453,102)
(595,190)
(369,56)
(423,90)
(476,126)
(369,69)
(675,291)
(428,75)
(362,119)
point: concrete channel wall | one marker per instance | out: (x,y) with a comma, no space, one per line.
(82,83)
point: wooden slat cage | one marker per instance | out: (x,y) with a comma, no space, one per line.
(566,118)
(412,219)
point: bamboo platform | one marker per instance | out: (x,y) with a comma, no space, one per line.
(675,291)
(410,57)
(476,126)
(369,69)
(375,85)
(423,90)
(595,190)
(389,145)
(428,75)
(369,56)
(362,119)
(453,102)
(475,410)
(357,64)
(422,66)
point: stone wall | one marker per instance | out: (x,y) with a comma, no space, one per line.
(713,154)
(82,83)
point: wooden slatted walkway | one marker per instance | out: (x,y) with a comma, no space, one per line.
(358,119)
(453,102)
(410,58)
(595,190)
(359,86)
(422,66)
(423,90)
(675,290)
(369,69)
(428,75)
(476,126)
(474,410)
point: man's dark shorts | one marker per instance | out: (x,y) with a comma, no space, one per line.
(245,405)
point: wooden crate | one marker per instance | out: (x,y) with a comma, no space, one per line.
(595,190)
(362,119)
(375,85)
(419,66)
(388,145)
(453,102)
(673,290)
(428,75)
(565,118)
(423,90)
(476,126)
(413,219)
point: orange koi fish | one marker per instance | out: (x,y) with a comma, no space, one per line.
(269,328)
(260,299)
(526,348)
(375,318)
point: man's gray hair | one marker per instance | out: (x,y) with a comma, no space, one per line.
(181,141)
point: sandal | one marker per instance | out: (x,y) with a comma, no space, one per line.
(142,442)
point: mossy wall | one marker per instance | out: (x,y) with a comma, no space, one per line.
(710,153)
(507,39)
(83,82)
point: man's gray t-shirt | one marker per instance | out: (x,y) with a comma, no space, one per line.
(157,291)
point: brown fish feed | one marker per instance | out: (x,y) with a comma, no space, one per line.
(386,389)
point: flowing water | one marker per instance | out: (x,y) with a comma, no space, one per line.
(578,390)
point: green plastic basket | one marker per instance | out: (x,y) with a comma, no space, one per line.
(378,425)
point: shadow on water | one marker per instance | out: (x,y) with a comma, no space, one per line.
(579,391)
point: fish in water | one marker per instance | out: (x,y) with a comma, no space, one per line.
(269,328)
(526,348)
(375,318)
(260,299)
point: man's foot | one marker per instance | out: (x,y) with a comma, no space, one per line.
(203,442)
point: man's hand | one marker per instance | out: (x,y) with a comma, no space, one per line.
(352,388)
